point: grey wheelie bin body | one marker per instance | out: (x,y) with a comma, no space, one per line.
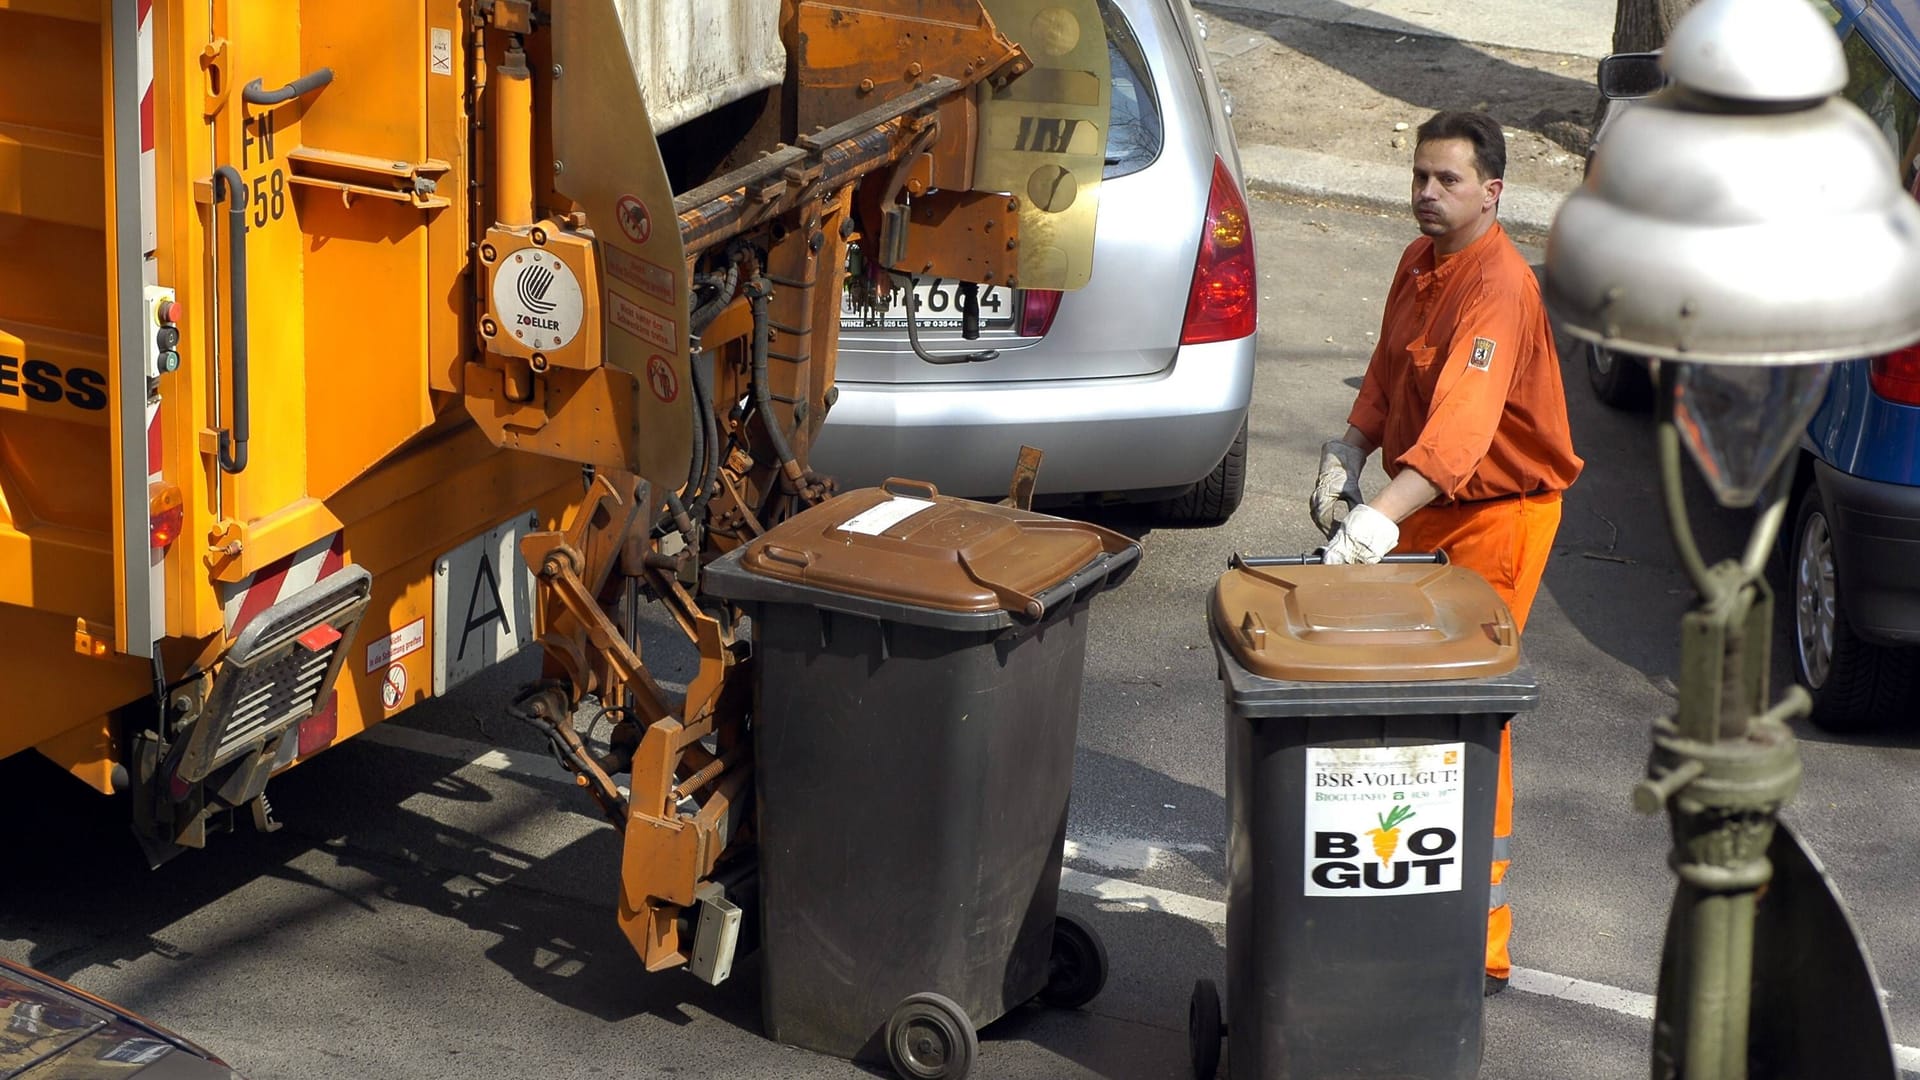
(1364,709)
(916,697)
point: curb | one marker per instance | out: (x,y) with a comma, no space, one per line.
(1559,36)
(1303,173)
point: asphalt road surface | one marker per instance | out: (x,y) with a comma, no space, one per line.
(439,904)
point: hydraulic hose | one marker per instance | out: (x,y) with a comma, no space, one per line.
(709,429)
(727,282)
(913,334)
(758,293)
(697,464)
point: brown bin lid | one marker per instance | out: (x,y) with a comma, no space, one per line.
(1384,623)
(906,543)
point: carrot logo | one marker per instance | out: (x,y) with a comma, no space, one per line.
(1386,838)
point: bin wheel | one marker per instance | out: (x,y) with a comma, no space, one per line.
(1077,968)
(1204,1029)
(930,1038)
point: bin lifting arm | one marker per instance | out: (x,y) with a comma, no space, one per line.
(905,127)
(683,810)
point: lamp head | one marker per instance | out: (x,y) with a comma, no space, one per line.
(1744,217)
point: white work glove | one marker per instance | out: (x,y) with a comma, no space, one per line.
(1339,482)
(1365,537)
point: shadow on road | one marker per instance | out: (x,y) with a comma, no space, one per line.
(1136,1028)
(84,892)
(1614,538)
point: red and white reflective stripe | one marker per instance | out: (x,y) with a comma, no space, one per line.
(149,184)
(149,275)
(285,577)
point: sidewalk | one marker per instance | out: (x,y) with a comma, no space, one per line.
(1327,178)
(1325,92)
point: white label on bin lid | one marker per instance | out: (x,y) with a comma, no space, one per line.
(1384,820)
(878,519)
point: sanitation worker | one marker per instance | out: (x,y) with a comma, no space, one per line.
(1463,399)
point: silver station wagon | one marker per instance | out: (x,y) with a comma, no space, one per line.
(1136,387)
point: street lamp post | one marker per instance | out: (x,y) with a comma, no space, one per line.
(1743,230)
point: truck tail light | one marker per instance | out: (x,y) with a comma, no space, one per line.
(166,515)
(1037,309)
(318,731)
(1224,302)
(1896,376)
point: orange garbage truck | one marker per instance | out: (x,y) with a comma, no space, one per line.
(347,349)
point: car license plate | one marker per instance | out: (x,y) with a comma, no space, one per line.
(939,308)
(482,603)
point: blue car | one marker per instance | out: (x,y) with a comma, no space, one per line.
(1853,547)
(1854,552)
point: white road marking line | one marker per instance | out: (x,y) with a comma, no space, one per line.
(1582,992)
(1147,897)
(1127,852)
(1104,889)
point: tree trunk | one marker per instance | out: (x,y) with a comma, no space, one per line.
(1643,25)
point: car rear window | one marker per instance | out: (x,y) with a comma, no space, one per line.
(1134,137)
(1891,106)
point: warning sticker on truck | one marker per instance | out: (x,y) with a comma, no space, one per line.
(1384,820)
(650,278)
(405,641)
(638,321)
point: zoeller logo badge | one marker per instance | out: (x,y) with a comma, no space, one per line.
(537,299)
(535,280)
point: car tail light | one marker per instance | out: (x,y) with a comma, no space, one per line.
(1896,376)
(1037,309)
(1224,303)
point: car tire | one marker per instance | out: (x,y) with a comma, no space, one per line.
(1855,684)
(1214,499)
(1619,381)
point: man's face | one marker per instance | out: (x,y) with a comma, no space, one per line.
(1449,195)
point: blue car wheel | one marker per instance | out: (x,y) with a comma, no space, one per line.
(1855,685)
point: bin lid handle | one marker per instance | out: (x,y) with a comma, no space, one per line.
(1253,630)
(1112,544)
(790,556)
(1505,632)
(1240,561)
(914,489)
(1010,598)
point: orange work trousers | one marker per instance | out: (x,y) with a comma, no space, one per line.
(1505,541)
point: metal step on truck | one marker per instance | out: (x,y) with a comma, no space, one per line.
(349,349)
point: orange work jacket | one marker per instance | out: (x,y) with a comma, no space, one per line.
(1464,385)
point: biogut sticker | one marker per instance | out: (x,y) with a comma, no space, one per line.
(1384,820)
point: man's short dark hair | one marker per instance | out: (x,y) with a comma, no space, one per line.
(1489,143)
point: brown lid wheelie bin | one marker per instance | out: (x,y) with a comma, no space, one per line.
(917,688)
(1364,706)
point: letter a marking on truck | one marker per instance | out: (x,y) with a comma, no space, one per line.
(480,620)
